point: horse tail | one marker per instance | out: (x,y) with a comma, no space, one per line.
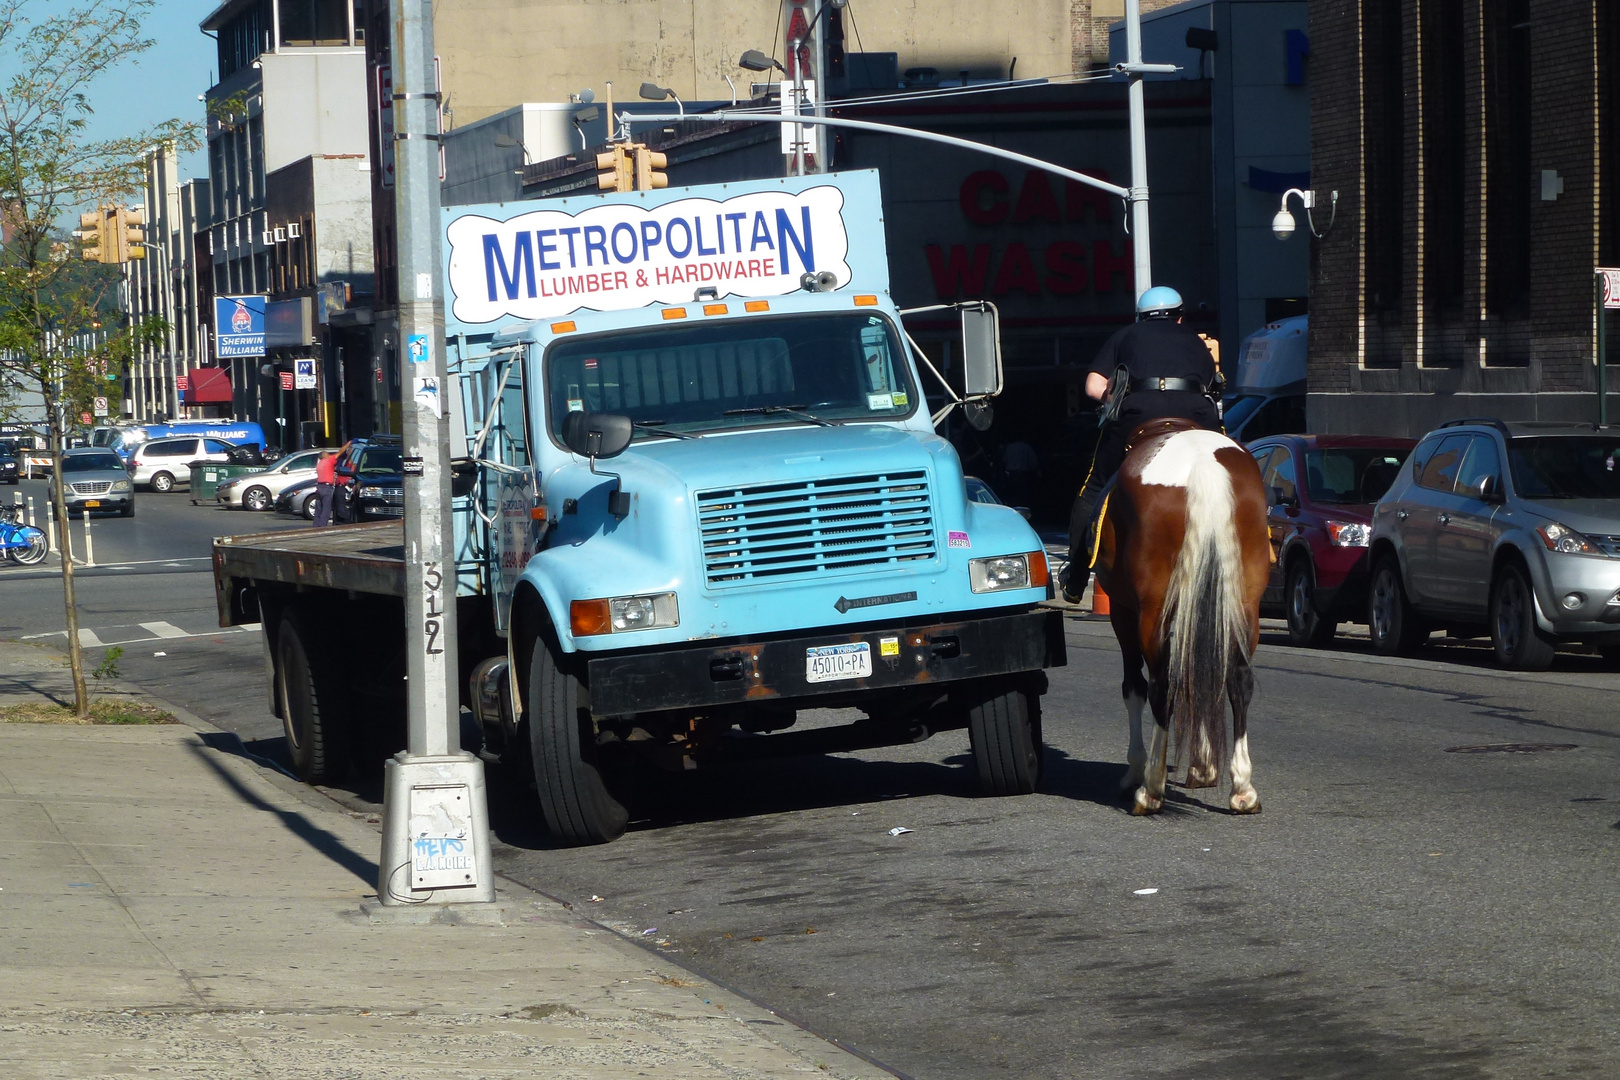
(1205,619)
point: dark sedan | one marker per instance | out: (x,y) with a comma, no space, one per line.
(10,469)
(298,499)
(371,481)
(1320,491)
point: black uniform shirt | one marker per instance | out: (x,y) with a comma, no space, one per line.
(1156,348)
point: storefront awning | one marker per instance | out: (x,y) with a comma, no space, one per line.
(208,386)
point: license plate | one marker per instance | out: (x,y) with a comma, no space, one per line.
(830,663)
(92,503)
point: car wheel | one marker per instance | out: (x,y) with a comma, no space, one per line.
(1004,732)
(128,510)
(576,800)
(1519,642)
(306,509)
(162,482)
(1611,655)
(1392,623)
(1306,626)
(256,498)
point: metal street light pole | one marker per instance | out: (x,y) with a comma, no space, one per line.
(818,27)
(1141,237)
(435,845)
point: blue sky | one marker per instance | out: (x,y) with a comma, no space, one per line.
(161,83)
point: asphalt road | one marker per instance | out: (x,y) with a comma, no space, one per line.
(1432,890)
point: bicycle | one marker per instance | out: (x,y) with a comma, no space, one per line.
(22,543)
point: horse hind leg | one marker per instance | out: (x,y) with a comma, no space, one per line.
(1135,692)
(1240,691)
(1150,796)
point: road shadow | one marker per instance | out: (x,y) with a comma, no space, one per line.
(1463,652)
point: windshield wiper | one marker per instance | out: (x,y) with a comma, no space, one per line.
(795,411)
(655,427)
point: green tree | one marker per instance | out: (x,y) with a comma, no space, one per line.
(57,341)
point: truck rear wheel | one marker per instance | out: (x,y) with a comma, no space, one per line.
(1004,729)
(310,706)
(568,772)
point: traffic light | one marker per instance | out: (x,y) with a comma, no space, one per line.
(131,229)
(648,162)
(90,235)
(617,173)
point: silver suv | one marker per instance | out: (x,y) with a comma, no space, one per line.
(1514,528)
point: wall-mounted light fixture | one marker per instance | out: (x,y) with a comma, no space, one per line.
(1283,225)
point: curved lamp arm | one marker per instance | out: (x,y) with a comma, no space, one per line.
(1283,225)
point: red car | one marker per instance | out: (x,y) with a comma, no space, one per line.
(1320,491)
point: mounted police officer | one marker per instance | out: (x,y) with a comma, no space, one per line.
(1152,369)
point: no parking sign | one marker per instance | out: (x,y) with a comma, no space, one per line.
(1610,276)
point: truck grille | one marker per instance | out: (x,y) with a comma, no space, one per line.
(802,529)
(93,487)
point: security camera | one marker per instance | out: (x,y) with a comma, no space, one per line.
(1282,226)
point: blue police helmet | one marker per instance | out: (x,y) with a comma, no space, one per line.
(1159,302)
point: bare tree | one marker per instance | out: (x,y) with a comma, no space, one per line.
(51,303)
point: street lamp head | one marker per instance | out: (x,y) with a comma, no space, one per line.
(654,92)
(754,60)
(1282,226)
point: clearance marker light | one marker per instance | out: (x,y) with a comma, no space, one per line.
(866,301)
(714,309)
(675,313)
(566,327)
(757,305)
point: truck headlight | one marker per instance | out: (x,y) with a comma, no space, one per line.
(621,614)
(1347,533)
(1004,572)
(120,485)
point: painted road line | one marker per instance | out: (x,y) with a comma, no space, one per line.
(164,630)
(87,638)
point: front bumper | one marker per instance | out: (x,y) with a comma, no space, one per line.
(116,500)
(774,671)
(1595,580)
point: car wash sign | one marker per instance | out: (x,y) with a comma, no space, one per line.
(544,259)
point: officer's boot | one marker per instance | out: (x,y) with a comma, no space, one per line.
(1082,538)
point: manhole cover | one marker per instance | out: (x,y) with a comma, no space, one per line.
(1511,748)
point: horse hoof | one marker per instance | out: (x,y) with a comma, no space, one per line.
(1246,802)
(1201,776)
(1145,804)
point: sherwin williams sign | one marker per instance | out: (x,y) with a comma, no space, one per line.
(615,253)
(238,326)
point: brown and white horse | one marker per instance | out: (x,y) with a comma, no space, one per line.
(1184,557)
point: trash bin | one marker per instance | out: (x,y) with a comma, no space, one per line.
(206,476)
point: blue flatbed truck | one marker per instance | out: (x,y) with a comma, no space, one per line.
(700,494)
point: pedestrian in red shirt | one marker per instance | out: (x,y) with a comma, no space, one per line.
(325,484)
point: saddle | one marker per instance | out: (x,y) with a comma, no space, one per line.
(1162,426)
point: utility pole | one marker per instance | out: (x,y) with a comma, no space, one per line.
(435,845)
(1141,236)
(823,137)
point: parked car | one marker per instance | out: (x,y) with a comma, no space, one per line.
(10,470)
(371,481)
(259,490)
(298,499)
(980,492)
(1513,529)
(1320,527)
(94,478)
(161,464)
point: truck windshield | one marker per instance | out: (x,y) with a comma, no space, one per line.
(1566,467)
(690,377)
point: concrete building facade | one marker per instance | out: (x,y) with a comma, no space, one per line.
(1475,146)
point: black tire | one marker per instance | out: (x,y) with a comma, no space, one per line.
(312,706)
(1004,730)
(1392,623)
(256,498)
(162,483)
(1306,626)
(1611,655)
(128,509)
(1517,640)
(574,796)
(306,509)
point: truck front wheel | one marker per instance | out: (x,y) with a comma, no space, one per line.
(1004,729)
(568,772)
(309,706)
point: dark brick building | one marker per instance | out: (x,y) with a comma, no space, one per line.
(1475,147)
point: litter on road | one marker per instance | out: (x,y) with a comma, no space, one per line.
(1144,892)
(899,830)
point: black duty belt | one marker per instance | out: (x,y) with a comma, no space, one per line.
(1161,383)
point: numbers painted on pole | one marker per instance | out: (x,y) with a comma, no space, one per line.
(432,609)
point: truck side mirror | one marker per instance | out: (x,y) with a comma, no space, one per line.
(981,350)
(597,435)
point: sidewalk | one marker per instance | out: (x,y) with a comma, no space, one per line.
(170,908)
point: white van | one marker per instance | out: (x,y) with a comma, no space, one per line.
(163,463)
(1268,395)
